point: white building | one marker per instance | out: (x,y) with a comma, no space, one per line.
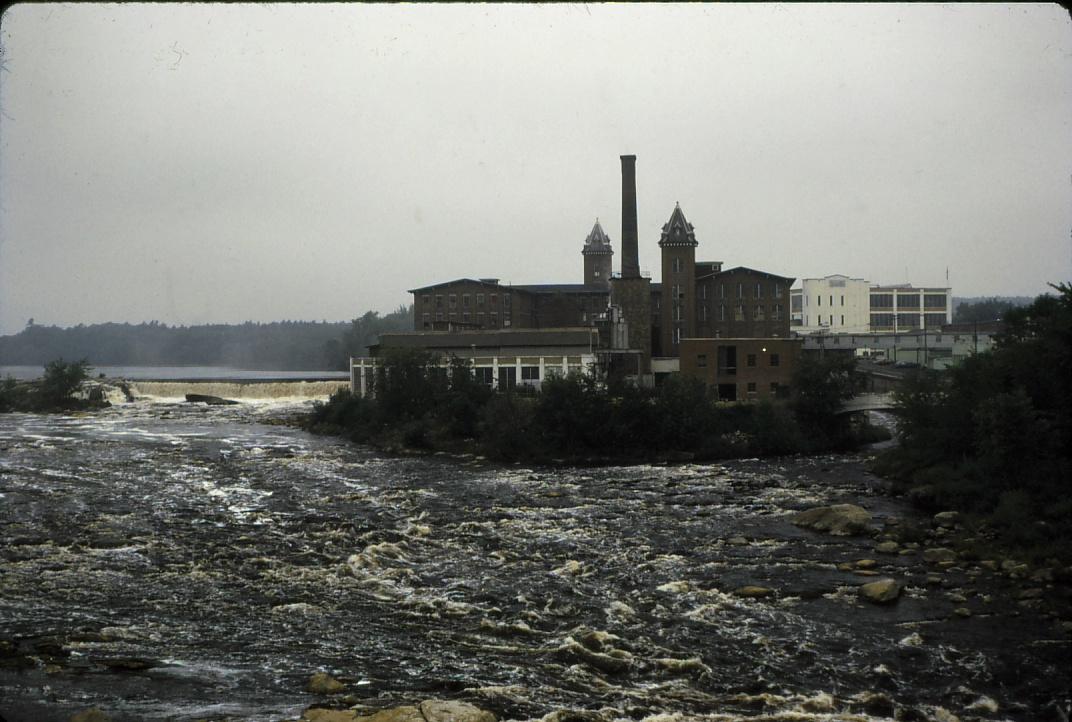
(834,304)
(904,308)
(839,304)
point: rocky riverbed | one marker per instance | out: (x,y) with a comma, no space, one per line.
(174,561)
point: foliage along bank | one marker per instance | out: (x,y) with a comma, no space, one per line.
(575,418)
(993,436)
(53,392)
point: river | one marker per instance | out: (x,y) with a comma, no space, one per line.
(162,560)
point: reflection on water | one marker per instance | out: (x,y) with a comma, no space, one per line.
(174,561)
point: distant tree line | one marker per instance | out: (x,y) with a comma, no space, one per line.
(420,406)
(993,436)
(279,346)
(969,310)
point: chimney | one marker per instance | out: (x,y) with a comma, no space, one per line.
(630,254)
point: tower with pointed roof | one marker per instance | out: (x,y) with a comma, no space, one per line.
(678,311)
(598,255)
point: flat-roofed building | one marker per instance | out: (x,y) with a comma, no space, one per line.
(832,304)
(742,369)
(502,359)
(903,307)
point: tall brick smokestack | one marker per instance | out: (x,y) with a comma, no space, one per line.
(630,254)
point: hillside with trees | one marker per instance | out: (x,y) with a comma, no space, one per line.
(277,346)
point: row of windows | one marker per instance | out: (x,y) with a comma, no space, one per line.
(452,300)
(829,319)
(906,320)
(758,313)
(750,360)
(909,300)
(819,300)
(467,317)
(757,290)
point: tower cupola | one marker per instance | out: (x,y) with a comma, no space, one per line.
(677,231)
(597,254)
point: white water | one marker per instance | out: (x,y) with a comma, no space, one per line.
(238,390)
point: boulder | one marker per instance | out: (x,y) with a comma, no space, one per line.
(443,711)
(882,591)
(210,400)
(91,715)
(753,592)
(396,714)
(939,554)
(318,714)
(324,683)
(838,520)
(947,518)
(887,547)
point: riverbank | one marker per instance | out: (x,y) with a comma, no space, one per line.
(576,420)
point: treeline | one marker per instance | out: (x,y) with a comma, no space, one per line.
(993,436)
(969,310)
(576,418)
(281,345)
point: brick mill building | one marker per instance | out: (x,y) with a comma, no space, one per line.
(696,320)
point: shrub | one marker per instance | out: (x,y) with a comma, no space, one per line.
(60,381)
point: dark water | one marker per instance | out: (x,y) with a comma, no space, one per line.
(171,561)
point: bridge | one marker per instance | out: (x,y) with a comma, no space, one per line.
(868,402)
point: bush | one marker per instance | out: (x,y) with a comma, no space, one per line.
(61,380)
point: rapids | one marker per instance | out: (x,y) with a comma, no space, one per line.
(177,561)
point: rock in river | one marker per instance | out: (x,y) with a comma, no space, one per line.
(882,591)
(324,683)
(430,710)
(838,520)
(939,554)
(210,400)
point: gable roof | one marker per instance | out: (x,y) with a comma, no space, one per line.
(441,284)
(746,269)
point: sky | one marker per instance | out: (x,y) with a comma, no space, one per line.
(206,163)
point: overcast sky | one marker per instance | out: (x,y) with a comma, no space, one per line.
(221,163)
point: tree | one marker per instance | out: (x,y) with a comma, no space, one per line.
(61,380)
(820,385)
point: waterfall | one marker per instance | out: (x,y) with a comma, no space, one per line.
(238,390)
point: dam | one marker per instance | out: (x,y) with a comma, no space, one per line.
(238,389)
